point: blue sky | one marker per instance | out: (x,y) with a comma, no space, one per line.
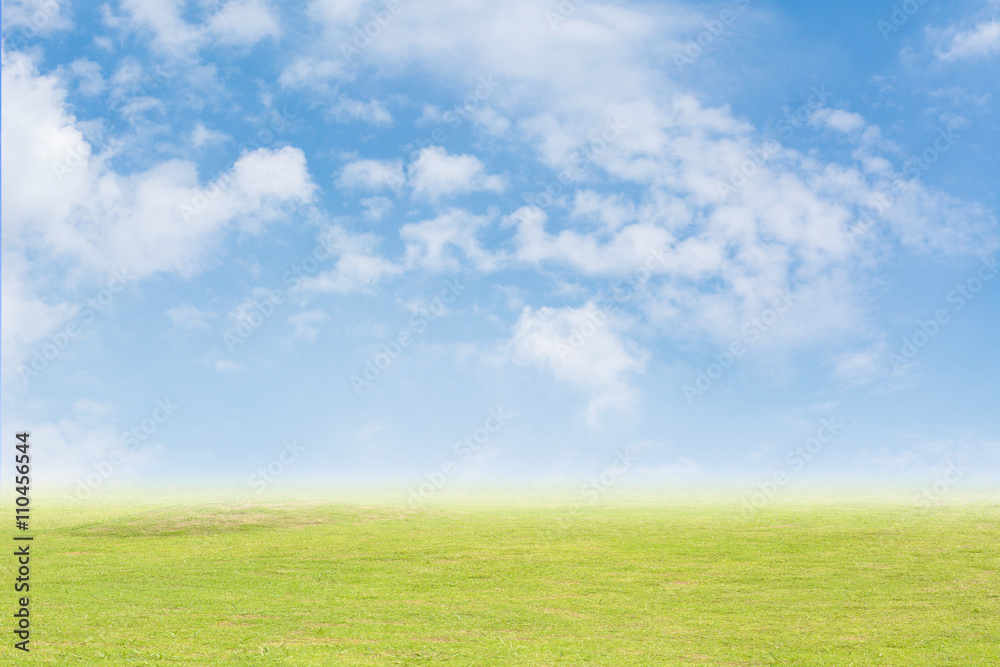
(698,234)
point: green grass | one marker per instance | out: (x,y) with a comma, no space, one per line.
(621,583)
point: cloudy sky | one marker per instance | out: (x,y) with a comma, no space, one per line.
(376,241)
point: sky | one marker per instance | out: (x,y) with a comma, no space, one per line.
(431,243)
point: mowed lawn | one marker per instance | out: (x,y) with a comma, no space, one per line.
(618,583)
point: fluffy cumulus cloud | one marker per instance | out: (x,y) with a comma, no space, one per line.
(582,346)
(27,317)
(373,112)
(372,175)
(309,72)
(979,42)
(839,119)
(358,265)
(432,174)
(64,198)
(243,23)
(447,242)
(435,173)
(30,17)
(234,23)
(66,201)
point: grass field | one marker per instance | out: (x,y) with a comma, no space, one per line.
(625,582)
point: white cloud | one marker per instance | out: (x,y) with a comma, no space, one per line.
(336,12)
(372,175)
(189,318)
(62,197)
(612,211)
(134,81)
(373,112)
(582,346)
(65,203)
(310,73)
(308,324)
(376,207)
(980,41)
(627,250)
(162,18)
(158,225)
(27,317)
(244,23)
(66,449)
(88,75)
(69,448)
(490,121)
(41,16)
(358,266)
(436,173)
(838,119)
(236,23)
(432,174)
(261,302)
(429,243)
(861,368)
(201,136)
